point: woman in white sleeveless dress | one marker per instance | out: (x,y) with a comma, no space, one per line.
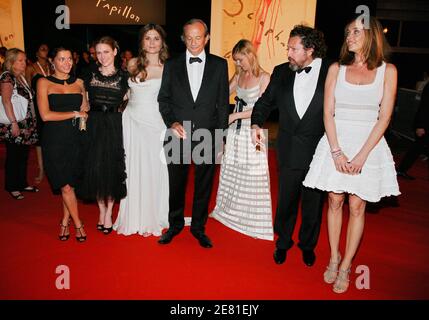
(353,157)
(243,200)
(145,209)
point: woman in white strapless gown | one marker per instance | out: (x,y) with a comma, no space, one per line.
(243,201)
(145,209)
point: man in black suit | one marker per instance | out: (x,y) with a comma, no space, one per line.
(193,96)
(421,144)
(296,88)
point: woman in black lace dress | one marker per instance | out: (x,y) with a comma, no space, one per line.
(62,101)
(104,175)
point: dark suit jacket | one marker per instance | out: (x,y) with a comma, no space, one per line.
(298,138)
(422,115)
(211,108)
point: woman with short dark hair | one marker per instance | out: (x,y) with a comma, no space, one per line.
(62,103)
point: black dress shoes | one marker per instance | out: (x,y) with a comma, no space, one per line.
(279,255)
(308,257)
(204,241)
(405,175)
(168,236)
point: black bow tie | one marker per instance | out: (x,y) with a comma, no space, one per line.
(306,69)
(195,59)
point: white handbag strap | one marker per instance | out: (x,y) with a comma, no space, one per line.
(26,86)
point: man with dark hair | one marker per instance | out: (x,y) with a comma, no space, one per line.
(194,90)
(420,145)
(296,89)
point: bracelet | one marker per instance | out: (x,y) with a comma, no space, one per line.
(337,154)
(76,114)
(14,121)
(335,151)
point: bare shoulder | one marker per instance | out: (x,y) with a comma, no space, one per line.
(334,67)
(42,82)
(133,60)
(80,84)
(390,68)
(265,76)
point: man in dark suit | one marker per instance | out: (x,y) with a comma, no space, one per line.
(193,96)
(421,144)
(296,88)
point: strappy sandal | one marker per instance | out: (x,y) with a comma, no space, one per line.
(342,282)
(332,270)
(100,226)
(63,236)
(106,231)
(81,238)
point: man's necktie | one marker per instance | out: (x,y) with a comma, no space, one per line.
(195,59)
(306,69)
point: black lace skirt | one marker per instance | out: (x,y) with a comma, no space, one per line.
(103,172)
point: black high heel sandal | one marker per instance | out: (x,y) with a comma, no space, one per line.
(63,236)
(100,227)
(106,231)
(81,238)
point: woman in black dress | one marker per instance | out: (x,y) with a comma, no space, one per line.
(62,101)
(103,177)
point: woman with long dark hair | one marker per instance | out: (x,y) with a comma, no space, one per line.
(145,209)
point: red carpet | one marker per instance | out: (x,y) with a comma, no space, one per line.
(395,249)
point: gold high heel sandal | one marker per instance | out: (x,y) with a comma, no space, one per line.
(331,270)
(342,282)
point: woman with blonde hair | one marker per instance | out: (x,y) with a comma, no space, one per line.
(243,200)
(353,157)
(18,135)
